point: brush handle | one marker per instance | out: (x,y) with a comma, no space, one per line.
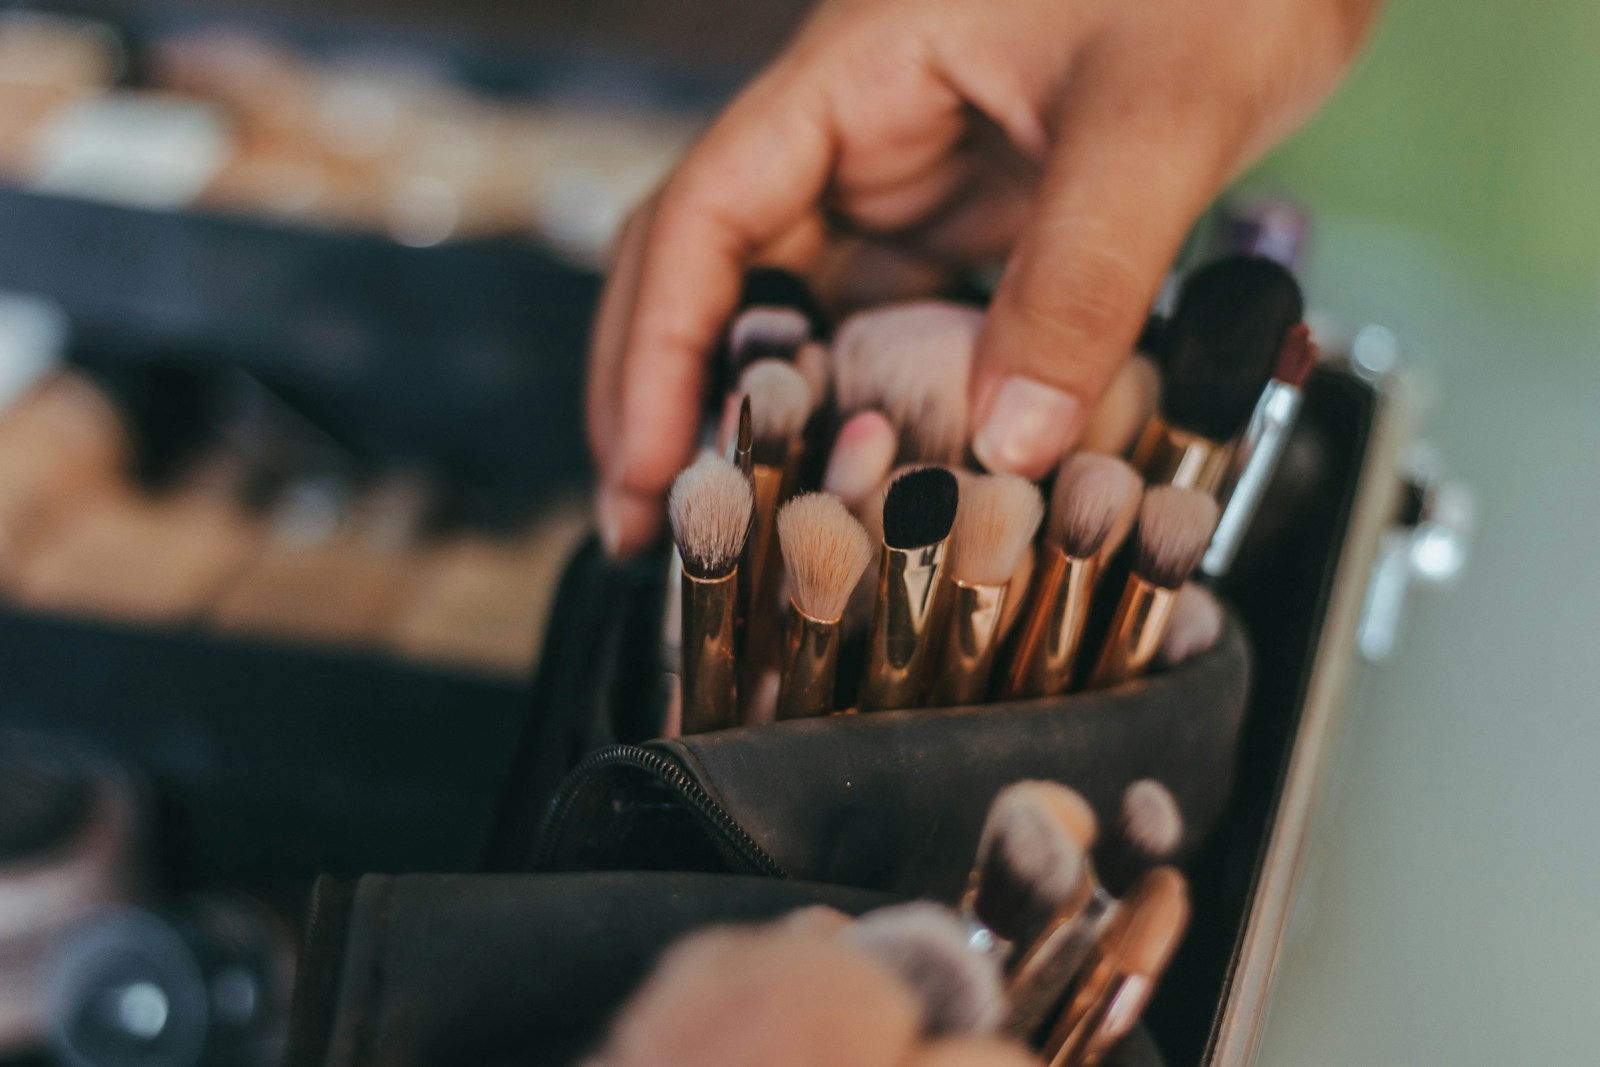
(810,666)
(1053,630)
(709,664)
(904,627)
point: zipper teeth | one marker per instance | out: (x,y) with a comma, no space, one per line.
(669,773)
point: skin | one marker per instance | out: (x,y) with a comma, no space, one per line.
(897,141)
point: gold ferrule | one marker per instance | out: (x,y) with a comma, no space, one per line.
(810,665)
(1167,455)
(904,620)
(1102,1011)
(1053,629)
(971,635)
(1137,630)
(1040,973)
(709,688)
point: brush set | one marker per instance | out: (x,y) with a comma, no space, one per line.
(860,560)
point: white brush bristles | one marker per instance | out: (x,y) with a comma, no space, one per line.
(1091,491)
(1035,833)
(780,399)
(997,518)
(710,506)
(926,945)
(1175,526)
(911,361)
(768,329)
(1151,819)
(825,550)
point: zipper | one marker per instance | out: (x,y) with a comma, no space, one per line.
(313,1007)
(730,836)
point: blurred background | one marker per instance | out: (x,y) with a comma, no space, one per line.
(292,306)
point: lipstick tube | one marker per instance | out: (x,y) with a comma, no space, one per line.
(904,625)
(971,635)
(1167,455)
(1053,631)
(709,664)
(1260,450)
(1137,630)
(810,666)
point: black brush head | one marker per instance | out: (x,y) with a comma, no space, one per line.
(776,287)
(1223,341)
(920,508)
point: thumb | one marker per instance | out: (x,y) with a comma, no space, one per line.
(1129,174)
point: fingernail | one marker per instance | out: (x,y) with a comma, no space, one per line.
(1027,428)
(863,454)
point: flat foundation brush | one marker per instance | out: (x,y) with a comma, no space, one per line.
(1123,971)
(1174,527)
(1091,494)
(1223,340)
(918,513)
(911,362)
(998,516)
(825,551)
(710,511)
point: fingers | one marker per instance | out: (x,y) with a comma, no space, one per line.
(751,180)
(1131,171)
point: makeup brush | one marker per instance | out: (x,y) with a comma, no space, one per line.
(911,362)
(767,332)
(780,403)
(1017,591)
(1148,834)
(1032,859)
(1226,334)
(1123,970)
(918,513)
(1196,626)
(998,516)
(774,287)
(1261,448)
(709,507)
(1174,528)
(926,945)
(862,457)
(816,367)
(825,551)
(1091,494)
(1125,407)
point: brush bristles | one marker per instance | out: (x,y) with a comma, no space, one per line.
(1196,626)
(998,517)
(1224,340)
(1151,819)
(1297,357)
(919,508)
(1175,526)
(762,332)
(926,946)
(780,400)
(1091,491)
(710,506)
(1030,856)
(825,550)
(911,362)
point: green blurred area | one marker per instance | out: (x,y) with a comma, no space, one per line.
(1474,122)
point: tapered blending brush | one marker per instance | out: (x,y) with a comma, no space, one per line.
(825,551)
(1127,963)
(709,508)
(1032,859)
(1091,494)
(1149,832)
(911,362)
(918,513)
(1261,448)
(780,403)
(926,946)
(1196,625)
(1225,336)
(998,516)
(1174,528)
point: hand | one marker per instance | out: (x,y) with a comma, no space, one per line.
(898,140)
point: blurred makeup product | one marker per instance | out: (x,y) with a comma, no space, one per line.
(1148,834)
(775,287)
(926,945)
(911,362)
(1272,226)
(710,507)
(1091,493)
(825,551)
(483,602)
(1221,346)
(767,332)
(72,841)
(1174,527)
(1125,408)
(780,403)
(125,555)
(1262,447)
(1127,962)
(1032,860)
(58,51)
(334,569)
(918,513)
(862,457)
(1196,626)
(995,523)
